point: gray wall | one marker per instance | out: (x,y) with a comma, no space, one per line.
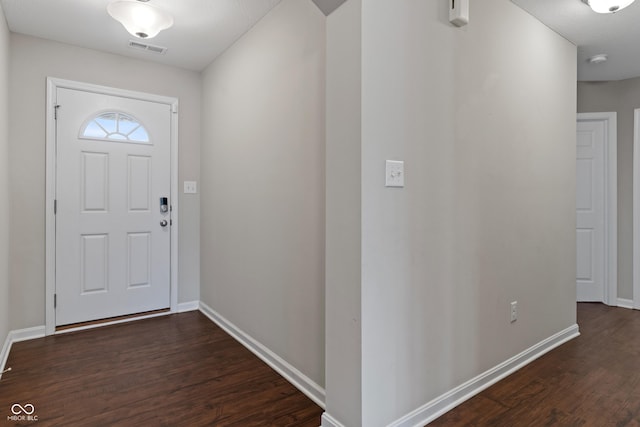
(4,179)
(32,60)
(343,201)
(623,97)
(262,242)
(484,117)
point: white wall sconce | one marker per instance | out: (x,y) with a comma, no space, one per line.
(608,6)
(139,18)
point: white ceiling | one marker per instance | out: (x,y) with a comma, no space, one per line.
(202,28)
(205,28)
(617,35)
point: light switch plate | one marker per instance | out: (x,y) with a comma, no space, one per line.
(394,173)
(190,187)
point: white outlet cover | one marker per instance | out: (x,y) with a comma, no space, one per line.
(394,173)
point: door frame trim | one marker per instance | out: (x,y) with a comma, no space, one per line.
(610,296)
(636,209)
(50,192)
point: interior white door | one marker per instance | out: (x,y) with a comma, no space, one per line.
(590,210)
(112,236)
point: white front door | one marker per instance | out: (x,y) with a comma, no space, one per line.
(112,251)
(590,210)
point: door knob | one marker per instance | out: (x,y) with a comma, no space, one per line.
(163,223)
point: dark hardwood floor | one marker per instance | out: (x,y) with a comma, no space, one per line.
(177,370)
(593,380)
(182,370)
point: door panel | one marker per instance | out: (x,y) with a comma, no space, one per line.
(139,259)
(95,181)
(113,166)
(94,263)
(139,183)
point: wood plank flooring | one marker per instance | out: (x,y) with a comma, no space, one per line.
(182,370)
(176,370)
(593,380)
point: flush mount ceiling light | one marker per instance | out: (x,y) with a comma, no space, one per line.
(598,59)
(608,6)
(139,18)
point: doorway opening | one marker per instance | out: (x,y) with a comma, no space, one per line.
(596,208)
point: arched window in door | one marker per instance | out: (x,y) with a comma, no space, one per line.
(115,126)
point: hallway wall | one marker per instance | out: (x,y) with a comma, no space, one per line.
(484,118)
(263,185)
(4,179)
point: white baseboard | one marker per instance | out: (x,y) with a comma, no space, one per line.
(6,348)
(329,421)
(625,303)
(17,336)
(432,410)
(188,306)
(303,383)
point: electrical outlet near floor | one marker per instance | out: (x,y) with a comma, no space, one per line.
(514,311)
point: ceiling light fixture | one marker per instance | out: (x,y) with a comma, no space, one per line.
(139,18)
(598,59)
(608,6)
